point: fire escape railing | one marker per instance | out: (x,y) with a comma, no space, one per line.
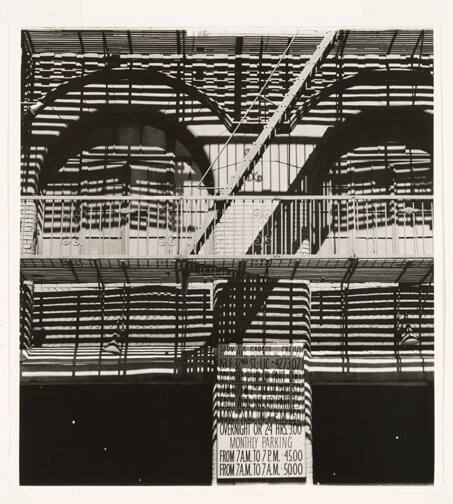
(253,155)
(262,226)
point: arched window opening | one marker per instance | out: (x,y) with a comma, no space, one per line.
(119,195)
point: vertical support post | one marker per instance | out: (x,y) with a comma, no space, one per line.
(77,335)
(238,84)
(396,306)
(355,225)
(26,314)
(308,408)
(28,226)
(176,321)
(214,428)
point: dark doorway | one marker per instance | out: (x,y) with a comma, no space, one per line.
(115,435)
(373,434)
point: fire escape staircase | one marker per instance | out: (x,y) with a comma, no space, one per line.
(226,214)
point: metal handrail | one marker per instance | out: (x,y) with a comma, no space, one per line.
(163,225)
(283,197)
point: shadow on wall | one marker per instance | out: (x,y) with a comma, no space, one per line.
(152,313)
(261,310)
(365,322)
(123,330)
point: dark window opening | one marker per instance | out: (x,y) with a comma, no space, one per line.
(372,434)
(115,435)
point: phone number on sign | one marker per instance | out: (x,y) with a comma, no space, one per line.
(261,362)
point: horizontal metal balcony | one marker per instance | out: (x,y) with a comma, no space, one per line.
(163,226)
(159,239)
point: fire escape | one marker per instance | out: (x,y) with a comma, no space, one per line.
(297,235)
(300,235)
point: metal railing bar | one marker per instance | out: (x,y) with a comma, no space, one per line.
(238,257)
(336,225)
(363,197)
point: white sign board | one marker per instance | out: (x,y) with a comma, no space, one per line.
(252,450)
(260,411)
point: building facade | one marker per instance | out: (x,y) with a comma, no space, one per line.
(183,193)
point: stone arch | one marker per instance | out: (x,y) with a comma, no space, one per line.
(76,137)
(412,77)
(115,76)
(409,125)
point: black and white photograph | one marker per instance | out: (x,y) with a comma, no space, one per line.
(226,257)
